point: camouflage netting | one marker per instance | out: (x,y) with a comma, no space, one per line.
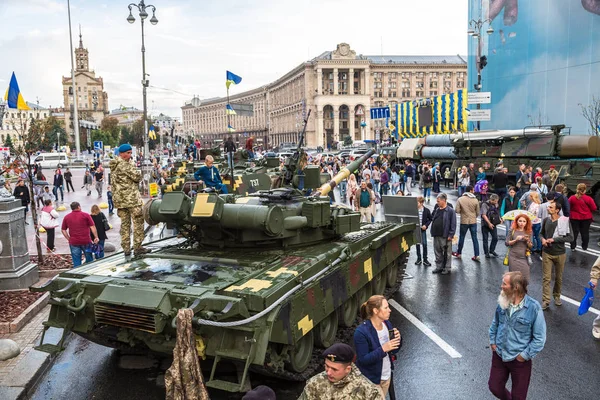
(184,380)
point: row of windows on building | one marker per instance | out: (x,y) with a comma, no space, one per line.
(419,75)
(419,84)
(25,115)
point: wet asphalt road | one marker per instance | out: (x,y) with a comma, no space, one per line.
(458,308)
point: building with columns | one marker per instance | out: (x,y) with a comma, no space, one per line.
(92,100)
(339,86)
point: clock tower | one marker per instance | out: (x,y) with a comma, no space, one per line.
(81,56)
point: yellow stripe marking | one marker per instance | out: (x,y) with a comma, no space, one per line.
(368,268)
(404,244)
(282,270)
(202,208)
(242,200)
(254,285)
(305,325)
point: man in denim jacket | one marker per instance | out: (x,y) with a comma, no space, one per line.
(517,334)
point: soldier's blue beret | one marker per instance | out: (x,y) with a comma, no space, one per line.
(125,147)
(339,352)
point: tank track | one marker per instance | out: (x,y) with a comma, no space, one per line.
(344,335)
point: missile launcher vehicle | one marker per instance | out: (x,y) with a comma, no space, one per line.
(270,276)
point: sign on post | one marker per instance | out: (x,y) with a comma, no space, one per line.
(153,189)
(380,112)
(98,145)
(480,115)
(479,97)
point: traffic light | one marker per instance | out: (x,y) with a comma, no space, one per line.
(482,62)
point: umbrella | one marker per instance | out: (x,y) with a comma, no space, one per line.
(511,215)
(587,300)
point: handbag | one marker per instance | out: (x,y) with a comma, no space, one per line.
(505,262)
(105,222)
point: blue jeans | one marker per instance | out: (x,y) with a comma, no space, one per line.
(485,233)
(537,241)
(76,252)
(426,192)
(343,185)
(461,190)
(463,233)
(62,193)
(424,245)
(111,206)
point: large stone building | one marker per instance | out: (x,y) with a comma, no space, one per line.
(339,87)
(127,115)
(92,100)
(15,123)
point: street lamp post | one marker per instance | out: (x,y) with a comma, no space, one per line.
(131,19)
(475,27)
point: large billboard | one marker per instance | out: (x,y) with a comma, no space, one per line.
(543,61)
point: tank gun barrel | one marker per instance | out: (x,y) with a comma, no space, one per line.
(343,174)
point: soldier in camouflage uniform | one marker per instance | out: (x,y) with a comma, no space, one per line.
(341,379)
(125,178)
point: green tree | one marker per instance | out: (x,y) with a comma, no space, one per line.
(137,133)
(8,142)
(110,125)
(347,140)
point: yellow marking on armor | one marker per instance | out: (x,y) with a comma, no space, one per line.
(254,284)
(237,182)
(169,188)
(484,152)
(202,208)
(180,181)
(305,325)
(404,244)
(502,155)
(282,270)
(181,170)
(200,347)
(368,268)
(226,181)
(242,200)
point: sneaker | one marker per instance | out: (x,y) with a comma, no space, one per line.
(445,271)
(455,254)
(475,258)
(558,301)
(596,333)
(493,254)
(426,263)
(545,305)
(418,262)
(437,271)
(487,255)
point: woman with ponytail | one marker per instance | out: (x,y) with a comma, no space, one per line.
(376,342)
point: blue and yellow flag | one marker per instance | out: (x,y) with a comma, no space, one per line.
(13,95)
(230,129)
(232,78)
(229,110)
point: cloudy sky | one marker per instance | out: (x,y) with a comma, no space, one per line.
(195,41)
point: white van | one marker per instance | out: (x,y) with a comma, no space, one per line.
(51,160)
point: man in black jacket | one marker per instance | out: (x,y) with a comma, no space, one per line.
(443,228)
(500,181)
(58,185)
(229,148)
(22,192)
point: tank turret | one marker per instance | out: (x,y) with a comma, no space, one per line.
(274,218)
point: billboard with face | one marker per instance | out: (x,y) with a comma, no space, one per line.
(543,61)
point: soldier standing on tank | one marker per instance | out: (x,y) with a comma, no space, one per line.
(341,378)
(125,178)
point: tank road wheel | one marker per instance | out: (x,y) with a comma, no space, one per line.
(364,294)
(347,313)
(379,282)
(301,353)
(326,330)
(391,274)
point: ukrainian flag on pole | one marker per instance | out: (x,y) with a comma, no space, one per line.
(230,110)
(13,95)
(232,78)
(230,129)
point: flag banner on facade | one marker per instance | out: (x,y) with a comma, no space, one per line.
(230,110)
(232,78)
(13,95)
(230,129)
(151,133)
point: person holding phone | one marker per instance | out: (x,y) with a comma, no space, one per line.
(376,342)
(518,241)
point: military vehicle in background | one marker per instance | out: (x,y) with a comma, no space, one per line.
(575,157)
(270,276)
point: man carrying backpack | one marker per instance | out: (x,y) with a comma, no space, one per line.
(490,219)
